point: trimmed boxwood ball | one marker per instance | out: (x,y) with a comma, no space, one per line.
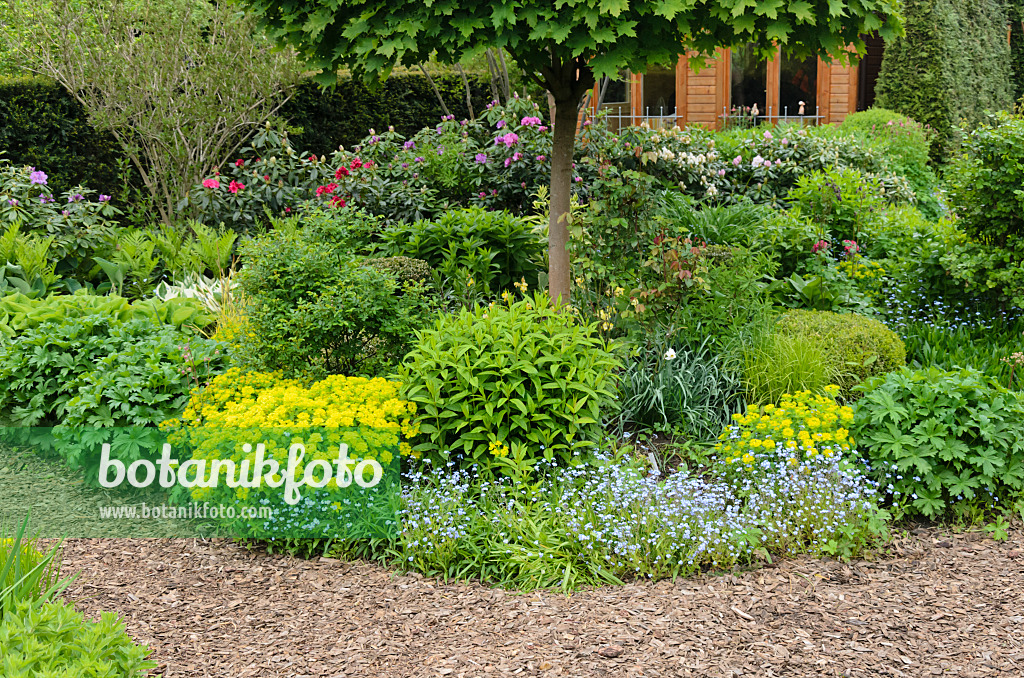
(858,347)
(402,269)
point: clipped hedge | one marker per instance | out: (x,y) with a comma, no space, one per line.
(857,346)
(953,64)
(343,116)
(42,126)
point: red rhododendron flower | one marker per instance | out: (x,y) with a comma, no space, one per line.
(235,186)
(337,201)
(341,172)
(211,183)
(239,163)
(356,164)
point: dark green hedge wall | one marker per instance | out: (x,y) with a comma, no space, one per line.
(345,115)
(1015,13)
(953,64)
(41,125)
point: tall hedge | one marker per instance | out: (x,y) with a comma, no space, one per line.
(345,115)
(1015,12)
(952,65)
(41,125)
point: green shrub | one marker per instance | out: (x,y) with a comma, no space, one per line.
(985,192)
(952,64)
(946,436)
(502,387)
(905,145)
(42,125)
(839,201)
(496,249)
(776,364)
(313,310)
(854,346)
(56,640)
(402,269)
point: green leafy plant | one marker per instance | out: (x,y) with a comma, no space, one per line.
(27,575)
(689,391)
(941,437)
(54,639)
(98,371)
(313,310)
(838,201)
(20,313)
(854,347)
(505,386)
(496,249)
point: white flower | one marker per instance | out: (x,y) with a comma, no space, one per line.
(757,161)
(670,354)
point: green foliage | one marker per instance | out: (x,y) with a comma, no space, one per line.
(854,347)
(96,370)
(839,202)
(689,392)
(495,249)
(777,363)
(952,64)
(19,313)
(905,145)
(191,81)
(27,574)
(988,348)
(342,116)
(313,310)
(1015,13)
(42,126)
(56,640)
(606,38)
(402,269)
(947,436)
(503,387)
(736,224)
(985,180)
(985,191)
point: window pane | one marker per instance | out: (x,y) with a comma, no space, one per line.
(798,82)
(659,87)
(749,82)
(618,89)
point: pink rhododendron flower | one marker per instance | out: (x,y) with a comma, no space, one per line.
(211,183)
(236,186)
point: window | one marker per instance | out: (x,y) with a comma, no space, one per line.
(748,95)
(659,91)
(798,87)
(614,97)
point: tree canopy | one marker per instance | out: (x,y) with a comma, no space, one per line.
(563,45)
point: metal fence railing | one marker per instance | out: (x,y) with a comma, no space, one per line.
(661,118)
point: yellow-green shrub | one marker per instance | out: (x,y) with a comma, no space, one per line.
(239,408)
(857,346)
(804,422)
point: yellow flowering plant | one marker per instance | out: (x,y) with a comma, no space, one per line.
(242,420)
(803,427)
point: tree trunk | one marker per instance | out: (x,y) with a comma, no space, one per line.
(559,273)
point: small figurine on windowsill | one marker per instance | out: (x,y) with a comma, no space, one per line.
(753,111)
(801,111)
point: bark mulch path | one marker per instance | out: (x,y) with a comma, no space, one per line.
(941,605)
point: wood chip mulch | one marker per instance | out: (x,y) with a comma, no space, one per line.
(941,604)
